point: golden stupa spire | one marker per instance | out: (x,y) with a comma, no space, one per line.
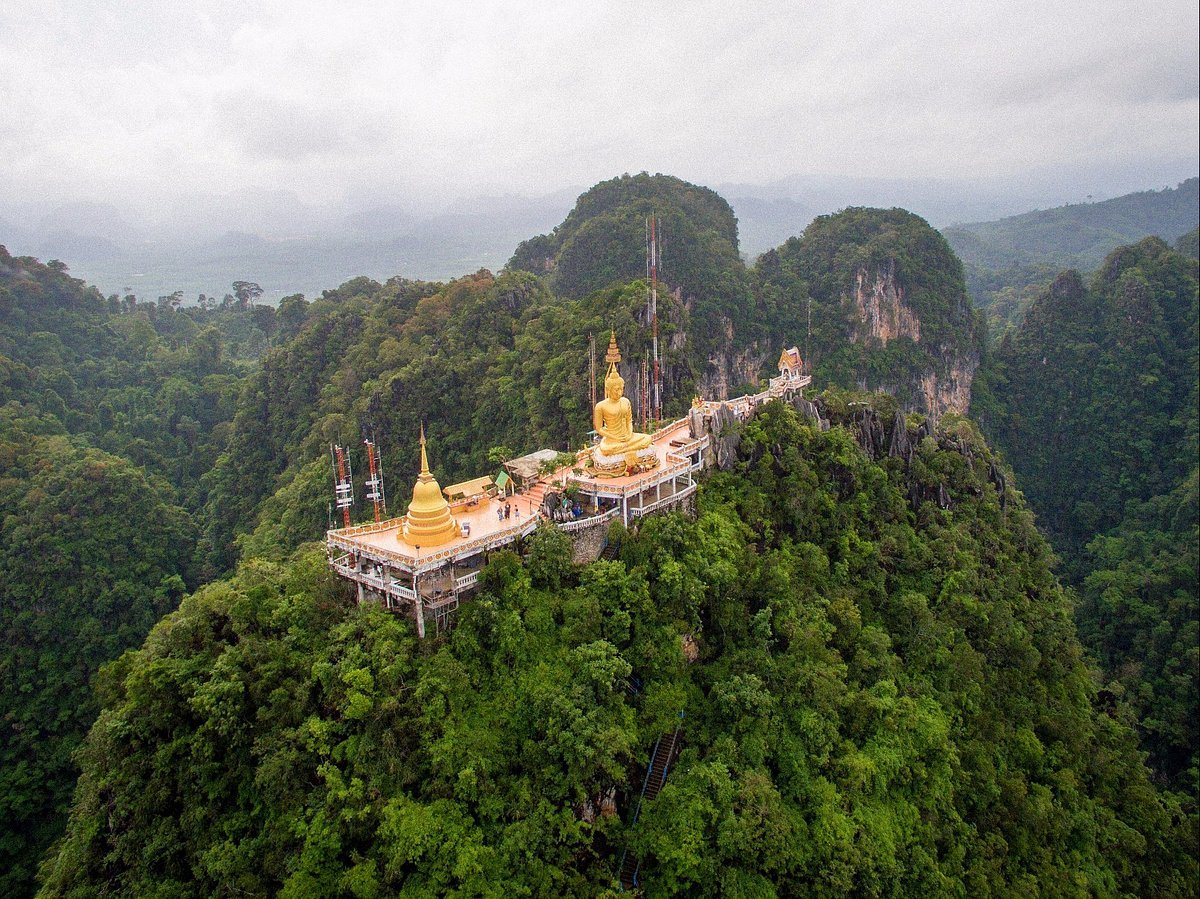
(425,473)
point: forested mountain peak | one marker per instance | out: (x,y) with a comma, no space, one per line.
(1094,398)
(1120,351)
(888,699)
(1010,260)
(602,241)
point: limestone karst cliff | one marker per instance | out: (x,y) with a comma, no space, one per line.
(883,315)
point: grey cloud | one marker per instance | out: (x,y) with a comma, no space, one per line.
(433,100)
(291,130)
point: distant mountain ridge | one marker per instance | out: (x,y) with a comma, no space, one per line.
(1078,235)
(1010,261)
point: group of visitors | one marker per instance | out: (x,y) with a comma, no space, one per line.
(563,508)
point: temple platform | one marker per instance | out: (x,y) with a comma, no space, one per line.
(680,455)
(428,582)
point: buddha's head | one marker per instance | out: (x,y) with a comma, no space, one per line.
(614,385)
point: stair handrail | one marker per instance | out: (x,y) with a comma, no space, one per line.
(674,742)
(646,783)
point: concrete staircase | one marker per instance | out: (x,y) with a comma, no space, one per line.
(536,494)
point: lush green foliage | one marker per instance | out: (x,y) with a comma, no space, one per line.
(151,382)
(890,700)
(1094,401)
(90,558)
(110,412)
(1098,391)
(1141,613)
(1189,244)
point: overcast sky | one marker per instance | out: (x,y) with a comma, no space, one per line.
(348,103)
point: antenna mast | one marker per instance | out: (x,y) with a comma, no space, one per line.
(644,391)
(592,365)
(374,483)
(808,338)
(656,408)
(343,483)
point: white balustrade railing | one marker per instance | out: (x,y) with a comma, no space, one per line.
(467,580)
(684,493)
(379,584)
(578,524)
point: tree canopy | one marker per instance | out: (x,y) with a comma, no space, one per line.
(889,699)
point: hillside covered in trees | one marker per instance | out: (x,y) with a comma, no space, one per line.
(889,699)
(1009,261)
(111,414)
(1094,400)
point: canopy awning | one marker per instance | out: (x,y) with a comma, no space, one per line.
(473,487)
(528,467)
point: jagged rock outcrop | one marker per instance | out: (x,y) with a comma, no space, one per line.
(729,369)
(950,390)
(726,437)
(883,315)
(899,444)
(895,439)
(885,307)
(811,411)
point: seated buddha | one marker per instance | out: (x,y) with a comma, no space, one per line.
(620,449)
(613,420)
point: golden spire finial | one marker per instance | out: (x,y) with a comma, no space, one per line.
(613,355)
(424,459)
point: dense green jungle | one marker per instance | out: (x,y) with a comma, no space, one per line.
(940,650)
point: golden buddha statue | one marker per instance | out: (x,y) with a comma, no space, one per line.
(428,521)
(621,449)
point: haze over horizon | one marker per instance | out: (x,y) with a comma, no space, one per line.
(151,124)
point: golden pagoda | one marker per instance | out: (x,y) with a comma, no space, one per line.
(428,522)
